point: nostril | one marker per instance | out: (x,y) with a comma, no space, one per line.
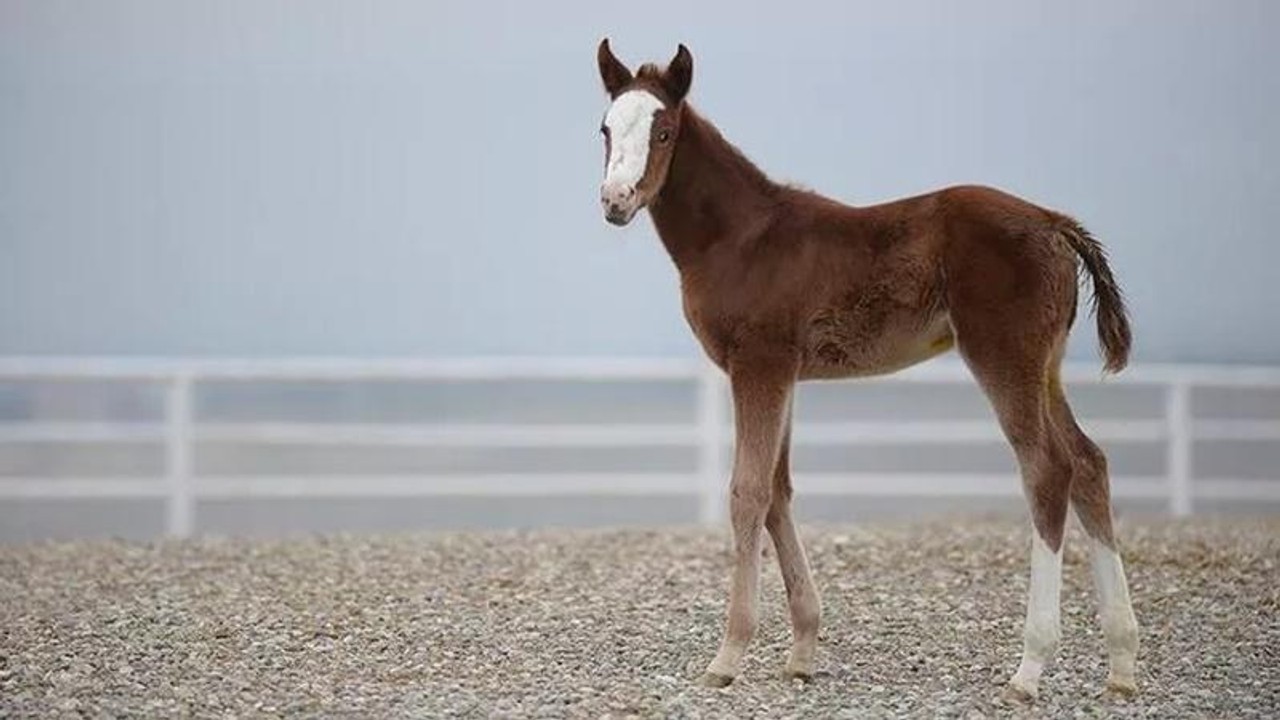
(617,197)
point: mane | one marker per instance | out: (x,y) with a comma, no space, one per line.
(725,154)
(649,71)
(731,158)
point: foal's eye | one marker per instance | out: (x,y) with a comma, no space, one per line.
(664,135)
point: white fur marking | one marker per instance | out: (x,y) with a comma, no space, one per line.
(1042,630)
(1115,610)
(629,120)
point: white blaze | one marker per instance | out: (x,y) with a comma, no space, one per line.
(629,120)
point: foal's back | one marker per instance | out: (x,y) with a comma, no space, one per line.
(869,290)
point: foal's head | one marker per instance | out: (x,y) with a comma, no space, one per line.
(640,129)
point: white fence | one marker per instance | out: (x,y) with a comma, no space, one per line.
(182,487)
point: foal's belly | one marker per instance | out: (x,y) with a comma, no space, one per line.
(840,344)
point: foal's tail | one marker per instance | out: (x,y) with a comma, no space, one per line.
(1108,302)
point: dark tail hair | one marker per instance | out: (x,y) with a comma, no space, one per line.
(1108,302)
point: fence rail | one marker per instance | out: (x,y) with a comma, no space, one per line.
(708,433)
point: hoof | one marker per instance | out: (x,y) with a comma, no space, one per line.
(803,676)
(1118,689)
(716,680)
(1018,695)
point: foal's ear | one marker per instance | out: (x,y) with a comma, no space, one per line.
(614,74)
(679,75)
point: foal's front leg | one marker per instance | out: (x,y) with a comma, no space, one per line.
(802,596)
(760,397)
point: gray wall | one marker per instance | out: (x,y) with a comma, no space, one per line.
(268,178)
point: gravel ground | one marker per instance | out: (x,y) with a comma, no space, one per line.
(920,621)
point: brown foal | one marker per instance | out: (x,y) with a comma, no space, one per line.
(782,285)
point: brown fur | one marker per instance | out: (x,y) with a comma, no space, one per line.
(782,285)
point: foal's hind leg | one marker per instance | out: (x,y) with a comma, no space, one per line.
(802,598)
(1091,497)
(1013,373)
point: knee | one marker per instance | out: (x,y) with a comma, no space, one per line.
(748,499)
(779,510)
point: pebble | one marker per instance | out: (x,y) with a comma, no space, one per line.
(920,620)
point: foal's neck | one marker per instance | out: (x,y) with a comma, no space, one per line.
(712,194)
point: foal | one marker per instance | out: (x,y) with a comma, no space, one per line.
(782,285)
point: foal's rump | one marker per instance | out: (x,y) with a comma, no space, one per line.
(1012,270)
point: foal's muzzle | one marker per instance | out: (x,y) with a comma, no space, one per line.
(620,203)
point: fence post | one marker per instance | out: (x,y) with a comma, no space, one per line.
(711,432)
(180,507)
(1178,417)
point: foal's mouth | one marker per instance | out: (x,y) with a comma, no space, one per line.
(619,217)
